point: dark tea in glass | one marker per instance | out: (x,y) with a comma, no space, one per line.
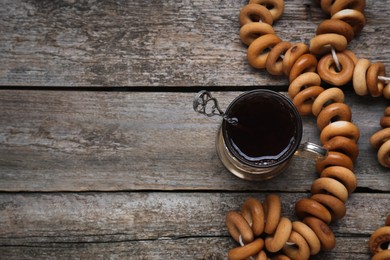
(268,128)
(260,132)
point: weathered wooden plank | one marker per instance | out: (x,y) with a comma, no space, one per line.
(77,141)
(181,248)
(152,43)
(104,217)
(154,224)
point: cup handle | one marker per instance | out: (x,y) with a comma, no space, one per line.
(311,151)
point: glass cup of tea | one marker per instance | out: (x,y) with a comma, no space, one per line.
(260,132)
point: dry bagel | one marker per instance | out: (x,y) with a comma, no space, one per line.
(255,13)
(333,112)
(323,43)
(275,7)
(251,31)
(327,69)
(257,54)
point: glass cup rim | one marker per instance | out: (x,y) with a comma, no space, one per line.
(295,112)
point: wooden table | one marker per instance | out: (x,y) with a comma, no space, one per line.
(101,154)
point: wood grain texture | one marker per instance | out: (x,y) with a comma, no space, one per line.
(153,43)
(155,225)
(80,141)
(214,248)
(125,174)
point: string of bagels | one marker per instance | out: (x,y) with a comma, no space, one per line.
(259,227)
